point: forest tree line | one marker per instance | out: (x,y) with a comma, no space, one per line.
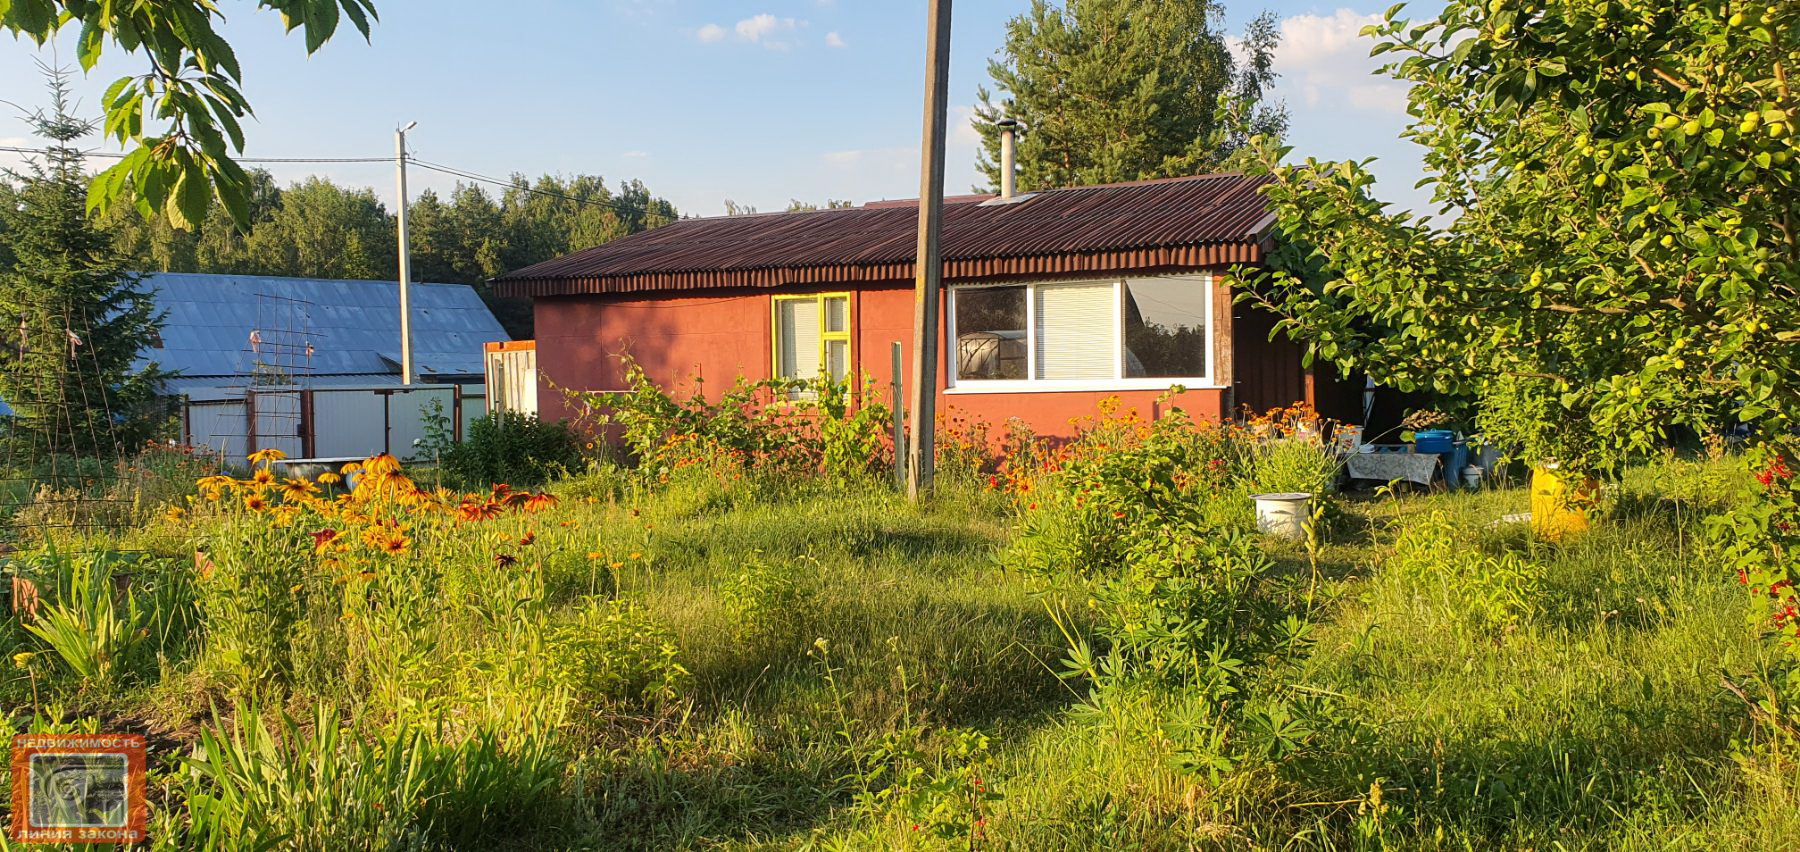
(318,229)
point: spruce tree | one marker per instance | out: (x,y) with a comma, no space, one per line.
(72,319)
(1121,90)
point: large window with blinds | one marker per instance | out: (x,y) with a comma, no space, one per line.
(1112,334)
(812,336)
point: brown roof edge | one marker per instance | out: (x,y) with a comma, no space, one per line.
(1145,260)
(1193,222)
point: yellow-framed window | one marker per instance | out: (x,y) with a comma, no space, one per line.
(812,336)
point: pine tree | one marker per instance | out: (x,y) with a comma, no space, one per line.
(1120,90)
(72,319)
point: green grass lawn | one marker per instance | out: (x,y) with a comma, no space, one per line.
(808,667)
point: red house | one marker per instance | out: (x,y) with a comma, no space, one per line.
(1053,301)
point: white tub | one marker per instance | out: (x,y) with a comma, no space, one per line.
(1283,515)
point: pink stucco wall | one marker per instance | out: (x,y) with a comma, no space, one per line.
(719,336)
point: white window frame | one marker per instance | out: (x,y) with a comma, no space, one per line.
(1118,382)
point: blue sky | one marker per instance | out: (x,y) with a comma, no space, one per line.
(757,101)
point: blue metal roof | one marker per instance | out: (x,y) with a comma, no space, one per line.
(353,327)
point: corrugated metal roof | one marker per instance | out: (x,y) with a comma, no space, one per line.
(352,326)
(1193,222)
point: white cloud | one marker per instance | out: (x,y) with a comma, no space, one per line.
(12,159)
(1323,60)
(962,127)
(769,31)
(711,33)
(832,39)
(636,155)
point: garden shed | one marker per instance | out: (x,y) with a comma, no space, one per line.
(1053,301)
(312,366)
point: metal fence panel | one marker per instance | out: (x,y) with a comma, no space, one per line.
(348,423)
(406,415)
(278,421)
(218,426)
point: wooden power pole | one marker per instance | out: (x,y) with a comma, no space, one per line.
(928,267)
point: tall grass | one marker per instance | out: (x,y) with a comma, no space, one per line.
(769,661)
(255,785)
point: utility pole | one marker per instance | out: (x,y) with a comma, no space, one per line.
(406,359)
(928,268)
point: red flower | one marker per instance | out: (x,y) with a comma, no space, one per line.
(323,538)
(505,560)
(1777,470)
(477,510)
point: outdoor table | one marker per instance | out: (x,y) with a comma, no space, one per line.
(1389,466)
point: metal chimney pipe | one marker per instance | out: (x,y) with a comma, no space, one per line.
(1009,130)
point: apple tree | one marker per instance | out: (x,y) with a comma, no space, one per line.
(1623,256)
(181,118)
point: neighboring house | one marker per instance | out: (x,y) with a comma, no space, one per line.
(312,366)
(1053,302)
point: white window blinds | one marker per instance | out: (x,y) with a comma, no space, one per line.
(797,339)
(1077,328)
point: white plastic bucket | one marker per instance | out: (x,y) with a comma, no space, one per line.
(1472,477)
(1283,515)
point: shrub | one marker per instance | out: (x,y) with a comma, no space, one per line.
(761,599)
(91,625)
(1181,606)
(612,654)
(1476,591)
(1293,464)
(70,497)
(513,448)
(262,605)
(1756,541)
(1082,508)
(322,787)
(777,426)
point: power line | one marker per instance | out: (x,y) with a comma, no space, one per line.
(524,187)
(111,155)
(615,206)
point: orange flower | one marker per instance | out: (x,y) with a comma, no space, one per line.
(382,464)
(175,513)
(255,503)
(477,510)
(295,488)
(395,545)
(528,538)
(262,477)
(263,457)
(353,467)
(329,478)
(539,502)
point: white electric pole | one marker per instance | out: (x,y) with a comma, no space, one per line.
(928,267)
(406,361)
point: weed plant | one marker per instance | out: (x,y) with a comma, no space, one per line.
(1080,645)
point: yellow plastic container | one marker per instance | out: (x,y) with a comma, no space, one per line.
(1561,503)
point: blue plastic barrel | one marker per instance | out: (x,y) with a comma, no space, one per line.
(1434,440)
